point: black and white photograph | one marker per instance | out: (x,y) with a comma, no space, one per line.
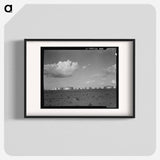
(79,77)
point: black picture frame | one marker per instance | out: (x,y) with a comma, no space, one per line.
(25,76)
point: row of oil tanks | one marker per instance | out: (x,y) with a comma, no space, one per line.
(85,88)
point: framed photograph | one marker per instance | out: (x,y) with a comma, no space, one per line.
(79,78)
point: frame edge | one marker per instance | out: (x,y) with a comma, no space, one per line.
(81,39)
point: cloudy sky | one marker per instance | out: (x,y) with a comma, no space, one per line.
(79,68)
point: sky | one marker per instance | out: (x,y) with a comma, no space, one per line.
(79,68)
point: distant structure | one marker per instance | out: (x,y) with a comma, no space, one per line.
(108,87)
(64,88)
(56,88)
(68,88)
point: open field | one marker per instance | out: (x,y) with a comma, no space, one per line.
(92,97)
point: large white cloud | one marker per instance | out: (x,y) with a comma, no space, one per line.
(61,69)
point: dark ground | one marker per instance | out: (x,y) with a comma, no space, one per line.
(93,97)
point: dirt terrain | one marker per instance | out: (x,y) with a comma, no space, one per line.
(92,97)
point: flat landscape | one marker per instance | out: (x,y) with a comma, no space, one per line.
(85,97)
